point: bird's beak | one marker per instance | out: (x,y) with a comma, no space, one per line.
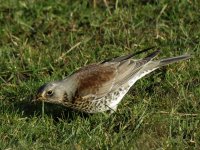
(39,97)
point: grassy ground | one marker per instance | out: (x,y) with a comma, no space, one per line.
(41,41)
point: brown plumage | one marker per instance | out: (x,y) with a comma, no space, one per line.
(100,87)
(92,78)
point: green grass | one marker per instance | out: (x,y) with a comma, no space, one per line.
(42,41)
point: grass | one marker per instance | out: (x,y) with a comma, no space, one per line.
(42,41)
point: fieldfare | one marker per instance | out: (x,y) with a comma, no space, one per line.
(100,87)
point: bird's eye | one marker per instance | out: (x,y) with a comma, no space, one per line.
(50,93)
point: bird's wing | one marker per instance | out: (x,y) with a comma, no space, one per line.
(96,79)
(122,58)
(100,79)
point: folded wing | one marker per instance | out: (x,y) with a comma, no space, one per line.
(100,79)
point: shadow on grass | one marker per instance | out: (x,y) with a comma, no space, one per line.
(30,109)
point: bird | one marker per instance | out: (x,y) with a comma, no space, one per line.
(100,87)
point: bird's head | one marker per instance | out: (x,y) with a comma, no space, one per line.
(51,92)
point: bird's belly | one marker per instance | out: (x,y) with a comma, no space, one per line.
(109,101)
(117,96)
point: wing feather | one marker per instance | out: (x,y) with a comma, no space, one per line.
(100,79)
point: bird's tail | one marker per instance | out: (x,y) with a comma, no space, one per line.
(167,61)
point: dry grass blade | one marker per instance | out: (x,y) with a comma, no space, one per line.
(178,114)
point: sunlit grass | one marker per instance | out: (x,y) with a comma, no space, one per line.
(41,41)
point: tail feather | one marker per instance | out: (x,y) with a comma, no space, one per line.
(167,61)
